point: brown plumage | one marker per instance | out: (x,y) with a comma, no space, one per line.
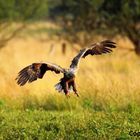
(105,46)
(37,70)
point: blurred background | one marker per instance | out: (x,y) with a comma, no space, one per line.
(54,31)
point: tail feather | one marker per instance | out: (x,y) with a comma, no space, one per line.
(59,87)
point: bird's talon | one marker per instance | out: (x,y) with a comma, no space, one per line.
(77,94)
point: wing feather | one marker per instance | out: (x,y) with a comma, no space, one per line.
(35,71)
(99,48)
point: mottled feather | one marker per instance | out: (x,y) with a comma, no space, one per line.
(35,71)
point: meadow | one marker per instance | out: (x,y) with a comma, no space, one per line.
(108,85)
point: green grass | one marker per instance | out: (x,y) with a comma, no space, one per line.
(90,123)
(54,117)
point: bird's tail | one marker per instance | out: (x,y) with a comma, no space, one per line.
(60,87)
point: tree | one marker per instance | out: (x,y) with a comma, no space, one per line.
(102,16)
(75,16)
(124,16)
(19,12)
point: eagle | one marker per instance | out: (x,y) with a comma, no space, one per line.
(67,82)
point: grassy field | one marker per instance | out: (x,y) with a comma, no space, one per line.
(109,88)
(58,125)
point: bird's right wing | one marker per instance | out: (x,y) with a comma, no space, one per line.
(35,71)
(98,48)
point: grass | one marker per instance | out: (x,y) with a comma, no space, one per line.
(51,125)
(109,88)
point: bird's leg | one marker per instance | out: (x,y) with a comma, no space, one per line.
(66,89)
(67,86)
(74,88)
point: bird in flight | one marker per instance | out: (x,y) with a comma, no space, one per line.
(67,82)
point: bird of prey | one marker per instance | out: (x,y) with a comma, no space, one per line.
(67,83)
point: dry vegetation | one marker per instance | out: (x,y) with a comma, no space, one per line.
(112,78)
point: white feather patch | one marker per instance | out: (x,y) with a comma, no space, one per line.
(59,88)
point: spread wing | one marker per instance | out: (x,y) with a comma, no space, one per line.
(35,71)
(99,48)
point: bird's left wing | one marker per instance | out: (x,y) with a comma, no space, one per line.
(35,71)
(98,48)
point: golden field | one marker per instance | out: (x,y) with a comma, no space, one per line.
(111,79)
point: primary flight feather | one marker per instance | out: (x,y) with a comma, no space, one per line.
(37,70)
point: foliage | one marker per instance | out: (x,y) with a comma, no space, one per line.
(125,17)
(17,10)
(76,17)
(102,16)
